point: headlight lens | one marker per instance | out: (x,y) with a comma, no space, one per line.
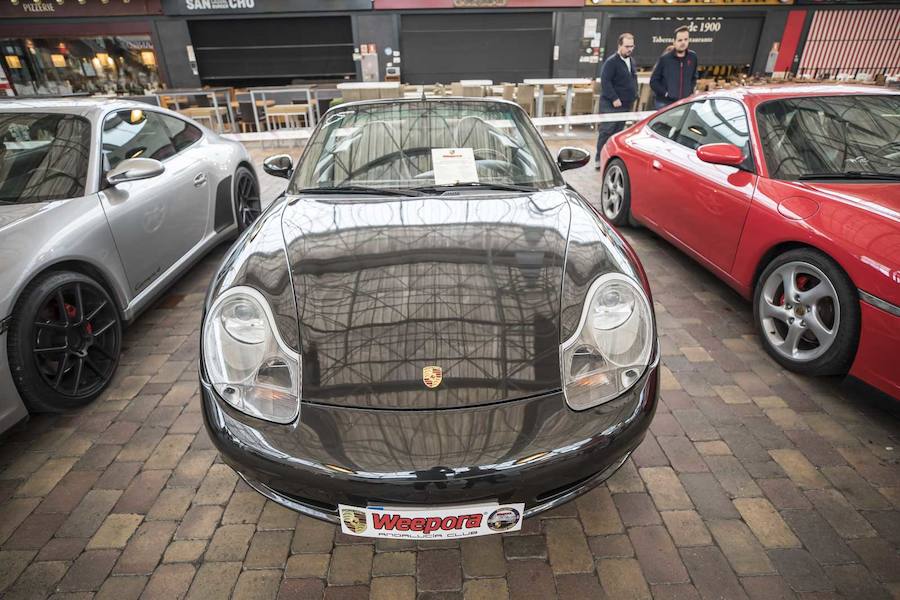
(612,347)
(247,362)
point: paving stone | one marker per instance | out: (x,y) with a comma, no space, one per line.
(886,524)
(42,481)
(361,592)
(169,452)
(301,589)
(626,480)
(67,494)
(530,580)
(666,489)
(838,512)
(859,492)
(622,578)
(578,586)
(676,591)
(879,556)
(199,523)
(89,514)
(192,468)
(316,565)
(391,588)
(741,548)
(786,418)
(123,588)
(145,548)
(244,507)
(825,545)
(274,516)
(767,587)
(816,449)
(217,485)
(799,469)
(214,580)
(12,564)
(636,509)
(611,546)
(765,522)
(657,555)
(854,581)
(784,494)
(524,546)
(37,581)
(481,557)
(436,570)
(598,513)
(682,455)
(252,585)
(800,570)
(184,551)
(34,532)
(711,574)
(350,565)
(89,571)
(487,589)
(141,445)
(713,448)
(686,528)
(649,454)
(61,549)
(567,546)
(230,543)
(115,531)
(312,535)
(117,476)
(732,476)
(268,549)
(171,504)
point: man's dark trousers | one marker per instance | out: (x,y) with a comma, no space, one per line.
(607,130)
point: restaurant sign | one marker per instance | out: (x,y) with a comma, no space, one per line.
(26,9)
(194,7)
(716,40)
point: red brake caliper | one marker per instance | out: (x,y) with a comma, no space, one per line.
(71,311)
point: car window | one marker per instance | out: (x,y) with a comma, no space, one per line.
(716,121)
(135,133)
(182,133)
(667,123)
(43,157)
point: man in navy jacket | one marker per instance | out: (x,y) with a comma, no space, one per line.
(675,74)
(618,90)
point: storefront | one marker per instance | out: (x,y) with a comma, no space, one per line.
(53,48)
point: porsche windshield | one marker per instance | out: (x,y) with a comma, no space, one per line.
(422,144)
(43,156)
(806,138)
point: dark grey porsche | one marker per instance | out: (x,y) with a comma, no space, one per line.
(429,334)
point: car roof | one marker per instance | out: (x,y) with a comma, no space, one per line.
(761,93)
(72,105)
(420,99)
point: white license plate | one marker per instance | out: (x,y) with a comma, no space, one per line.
(430,523)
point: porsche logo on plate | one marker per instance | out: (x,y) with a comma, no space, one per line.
(355,520)
(432,376)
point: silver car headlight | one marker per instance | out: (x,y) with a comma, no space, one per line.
(611,348)
(247,362)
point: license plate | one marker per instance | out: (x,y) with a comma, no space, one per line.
(430,522)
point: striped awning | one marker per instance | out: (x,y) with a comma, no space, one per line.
(851,43)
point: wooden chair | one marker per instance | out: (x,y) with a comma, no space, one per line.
(287,116)
(473,91)
(554,103)
(456,89)
(525,98)
(509,91)
(583,102)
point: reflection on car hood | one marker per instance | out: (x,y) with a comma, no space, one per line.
(387,287)
(881,197)
(12,213)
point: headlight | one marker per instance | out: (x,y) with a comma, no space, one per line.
(611,348)
(247,362)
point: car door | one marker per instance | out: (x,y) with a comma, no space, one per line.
(707,204)
(156,221)
(653,198)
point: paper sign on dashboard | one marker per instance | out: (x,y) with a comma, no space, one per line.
(453,165)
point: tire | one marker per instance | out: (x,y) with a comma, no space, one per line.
(615,194)
(818,334)
(61,359)
(247,205)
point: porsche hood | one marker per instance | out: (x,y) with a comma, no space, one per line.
(431,302)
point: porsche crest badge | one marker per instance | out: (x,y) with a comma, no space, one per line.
(432,376)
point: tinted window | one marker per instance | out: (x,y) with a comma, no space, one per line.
(182,133)
(715,122)
(42,157)
(135,134)
(830,134)
(667,123)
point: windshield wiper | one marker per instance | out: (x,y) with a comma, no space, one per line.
(867,175)
(477,184)
(358,189)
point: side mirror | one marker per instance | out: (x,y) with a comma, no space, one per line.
(721,154)
(279,165)
(134,169)
(572,158)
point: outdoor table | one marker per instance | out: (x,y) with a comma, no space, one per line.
(474,82)
(312,99)
(570,86)
(212,93)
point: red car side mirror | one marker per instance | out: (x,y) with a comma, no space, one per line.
(721,154)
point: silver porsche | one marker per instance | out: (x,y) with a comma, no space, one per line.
(103,205)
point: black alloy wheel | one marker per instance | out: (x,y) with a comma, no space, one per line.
(247,205)
(64,342)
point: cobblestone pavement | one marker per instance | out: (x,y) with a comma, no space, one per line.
(754,483)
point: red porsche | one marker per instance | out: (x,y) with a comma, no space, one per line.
(791,195)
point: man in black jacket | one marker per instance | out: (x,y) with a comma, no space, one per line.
(618,90)
(675,74)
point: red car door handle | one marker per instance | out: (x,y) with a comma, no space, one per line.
(656,165)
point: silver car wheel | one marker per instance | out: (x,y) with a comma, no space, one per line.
(613,193)
(799,311)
